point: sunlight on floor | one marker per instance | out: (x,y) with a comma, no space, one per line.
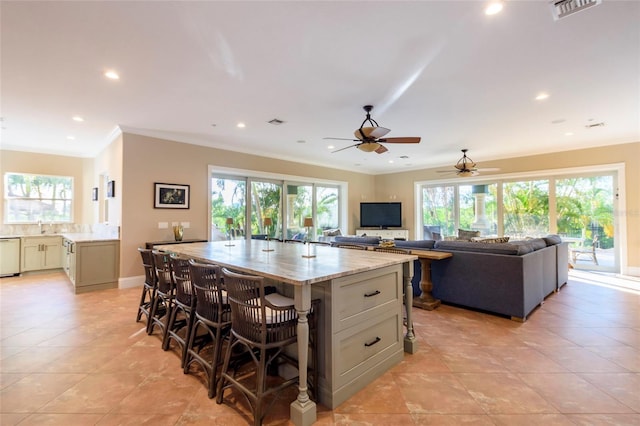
(620,282)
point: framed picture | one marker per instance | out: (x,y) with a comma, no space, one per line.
(171,196)
(111,189)
(94,194)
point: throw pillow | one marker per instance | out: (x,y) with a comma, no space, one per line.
(495,240)
(331,232)
(467,235)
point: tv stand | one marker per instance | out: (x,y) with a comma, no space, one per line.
(385,234)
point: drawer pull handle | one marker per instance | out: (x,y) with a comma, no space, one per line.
(375,293)
(376,340)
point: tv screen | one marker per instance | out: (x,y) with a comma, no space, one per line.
(380,215)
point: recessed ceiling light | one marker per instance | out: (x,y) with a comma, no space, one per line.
(71,138)
(390,161)
(493,8)
(330,147)
(112,75)
(569,134)
(542,96)
(77,118)
(241,125)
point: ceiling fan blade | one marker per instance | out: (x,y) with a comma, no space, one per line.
(342,139)
(381,149)
(401,140)
(346,147)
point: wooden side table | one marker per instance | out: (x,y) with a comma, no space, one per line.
(426,299)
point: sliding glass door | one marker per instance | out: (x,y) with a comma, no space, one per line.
(240,207)
(581,208)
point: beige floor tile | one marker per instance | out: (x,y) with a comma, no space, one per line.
(69,359)
(35,390)
(504,394)
(570,393)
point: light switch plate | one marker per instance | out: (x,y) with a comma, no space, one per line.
(185,225)
(163,225)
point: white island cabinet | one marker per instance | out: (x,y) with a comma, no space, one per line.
(40,252)
(91,263)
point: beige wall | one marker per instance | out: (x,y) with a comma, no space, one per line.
(56,165)
(148,160)
(136,162)
(401,185)
(109,166)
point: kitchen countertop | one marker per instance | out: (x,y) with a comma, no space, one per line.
(76,237)
(86,237)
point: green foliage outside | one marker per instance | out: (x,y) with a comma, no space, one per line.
(584,208)
(32,198)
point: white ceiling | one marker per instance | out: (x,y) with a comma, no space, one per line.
(441,70)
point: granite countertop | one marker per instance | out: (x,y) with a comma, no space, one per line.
(76,237)
(84,237)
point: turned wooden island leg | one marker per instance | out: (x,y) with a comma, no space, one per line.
(426,299)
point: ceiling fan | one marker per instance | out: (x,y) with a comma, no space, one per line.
(370,138)
(466,167)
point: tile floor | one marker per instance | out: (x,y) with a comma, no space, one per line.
(83,360)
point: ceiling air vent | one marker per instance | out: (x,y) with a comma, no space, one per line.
(563,8)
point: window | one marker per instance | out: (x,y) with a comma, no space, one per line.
(37,198)
(579,205)
(249,200)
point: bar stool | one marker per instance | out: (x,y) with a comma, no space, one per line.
(212,315)
(181,317)
(263,325)
(149,286)
(165,293)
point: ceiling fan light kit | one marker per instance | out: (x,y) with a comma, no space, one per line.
(369,138)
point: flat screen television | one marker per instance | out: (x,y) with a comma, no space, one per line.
(381,215)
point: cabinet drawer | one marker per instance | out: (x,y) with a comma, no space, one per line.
(362,347)
(361,295)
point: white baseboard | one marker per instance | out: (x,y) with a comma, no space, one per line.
(131,282)
(633,271)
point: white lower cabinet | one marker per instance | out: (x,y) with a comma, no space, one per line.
(40,253)
(92,265)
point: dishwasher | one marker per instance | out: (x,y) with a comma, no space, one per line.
(9,256)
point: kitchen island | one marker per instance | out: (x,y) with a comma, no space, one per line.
(91,261)
(361,313)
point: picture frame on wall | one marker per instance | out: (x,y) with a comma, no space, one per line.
(111,189)
(171,196)
(94,194)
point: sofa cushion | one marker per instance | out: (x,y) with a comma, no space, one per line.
(358,240)
(496,248)
(466,235)
(533,243)
(552,239)
(494,240)
(418,244)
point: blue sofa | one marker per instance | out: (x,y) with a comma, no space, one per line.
(510,279)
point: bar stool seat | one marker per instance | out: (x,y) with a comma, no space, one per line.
(149,286)
(263,325)
(164,295)
(212,318)
(181,317)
